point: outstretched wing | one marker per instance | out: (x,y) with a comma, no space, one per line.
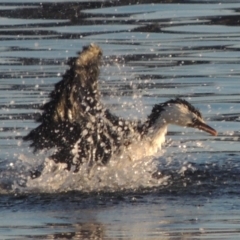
(73,104)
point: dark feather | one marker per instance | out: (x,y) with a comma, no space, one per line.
(75,118)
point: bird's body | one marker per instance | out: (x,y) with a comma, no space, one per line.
(80,129)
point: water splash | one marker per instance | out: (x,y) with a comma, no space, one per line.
(119,174)
(169,172)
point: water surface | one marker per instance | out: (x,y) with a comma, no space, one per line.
(153,51)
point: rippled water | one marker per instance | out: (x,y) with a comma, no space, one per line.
(152,52)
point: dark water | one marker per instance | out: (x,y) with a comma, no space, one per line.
(153,51)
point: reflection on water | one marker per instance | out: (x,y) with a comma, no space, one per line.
(151,215)
(153,51)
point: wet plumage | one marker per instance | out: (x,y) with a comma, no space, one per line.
(80,129)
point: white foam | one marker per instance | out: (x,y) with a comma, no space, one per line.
(118,174)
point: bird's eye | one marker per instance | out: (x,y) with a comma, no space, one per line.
(194,120)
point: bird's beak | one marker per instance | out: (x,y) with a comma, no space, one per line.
(203,126)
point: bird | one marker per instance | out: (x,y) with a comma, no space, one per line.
(78,127)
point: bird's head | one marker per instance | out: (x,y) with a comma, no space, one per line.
(179,112)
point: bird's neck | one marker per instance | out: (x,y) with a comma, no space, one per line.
(152,138)
(147,144)
(156,133)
